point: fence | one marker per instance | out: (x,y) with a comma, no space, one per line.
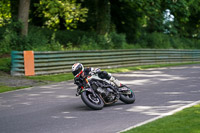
(61,61)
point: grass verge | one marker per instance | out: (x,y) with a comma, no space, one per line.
(4,88)
(55,78)
(185,121)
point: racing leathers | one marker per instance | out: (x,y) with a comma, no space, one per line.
(101,74)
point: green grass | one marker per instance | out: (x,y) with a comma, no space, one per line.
(55,78)
(185,121)
(4,88)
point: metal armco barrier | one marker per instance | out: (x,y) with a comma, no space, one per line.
(61,61)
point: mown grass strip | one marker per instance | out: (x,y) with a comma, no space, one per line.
(55,78)
(185,121)
(4,88)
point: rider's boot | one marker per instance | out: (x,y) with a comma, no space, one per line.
(115,81)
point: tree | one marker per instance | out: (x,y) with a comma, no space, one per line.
(181,13)
(103,16)
(193,25)
(127,17)
(23,15)
(34,18)
(62,13)
(99,16)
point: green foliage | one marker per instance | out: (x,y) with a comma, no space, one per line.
(165,41)
(126,20)
(5,12)
(180,10)
(118,40)
(43,39)
(108,41)
(65,36)
(157,40)
(38,39)
(193,25)
(88,43)
(58,12)
(5,64)
(89,40)
(11,39)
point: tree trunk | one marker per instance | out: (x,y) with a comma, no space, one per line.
(103,16)
(23,15)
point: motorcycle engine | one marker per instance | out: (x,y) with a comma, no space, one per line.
(110,97)
(106,93)
(102,91)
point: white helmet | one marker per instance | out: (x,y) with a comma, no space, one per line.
(77,69)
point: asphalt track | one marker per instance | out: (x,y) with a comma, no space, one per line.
(55,108)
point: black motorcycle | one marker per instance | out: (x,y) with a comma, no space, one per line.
(96,92)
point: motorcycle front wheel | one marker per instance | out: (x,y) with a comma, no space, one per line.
(91,101)
(128,98)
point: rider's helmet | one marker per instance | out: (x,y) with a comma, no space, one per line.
(77,69)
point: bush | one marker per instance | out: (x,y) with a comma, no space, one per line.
(5,64)
(167,41)
(12,40)
(65,36)
(42,39)
(108,41)
(156,40)
(38,39)
(118,40)
(87,43)
(2,31)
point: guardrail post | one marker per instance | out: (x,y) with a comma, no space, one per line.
(29,66)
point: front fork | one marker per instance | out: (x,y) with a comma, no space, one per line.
(87,88)
(79,90)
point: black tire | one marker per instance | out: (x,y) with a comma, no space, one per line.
(91,101)
(128,98)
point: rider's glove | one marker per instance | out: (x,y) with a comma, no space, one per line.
(77,81)
(94,71)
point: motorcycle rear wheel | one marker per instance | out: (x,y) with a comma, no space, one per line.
(93,102)
(128,98)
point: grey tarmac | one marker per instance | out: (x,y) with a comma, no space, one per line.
(55,108)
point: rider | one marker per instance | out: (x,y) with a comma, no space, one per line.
(78,70)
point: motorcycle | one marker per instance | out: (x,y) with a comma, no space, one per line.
(96,92)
